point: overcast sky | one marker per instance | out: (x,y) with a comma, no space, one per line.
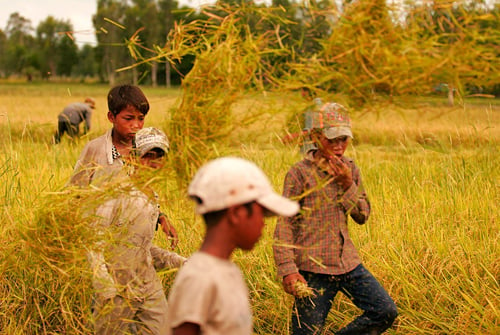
(79,12)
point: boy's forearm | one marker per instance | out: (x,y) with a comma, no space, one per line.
(282,247)
(286,268)
(164,259)
(356,204)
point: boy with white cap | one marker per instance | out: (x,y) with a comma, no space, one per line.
(129,295)
(314,248)
(209,295)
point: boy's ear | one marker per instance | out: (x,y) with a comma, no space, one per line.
(111,117)
(236,214)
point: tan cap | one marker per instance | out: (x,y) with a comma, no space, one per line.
(90,102)
(230,181)
(150,138)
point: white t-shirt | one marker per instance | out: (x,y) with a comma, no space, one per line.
(210,292)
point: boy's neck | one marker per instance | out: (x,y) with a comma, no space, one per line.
(217,244)
(119,143)
(217,252)
(123,148)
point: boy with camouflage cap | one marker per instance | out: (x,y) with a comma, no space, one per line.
(129,294)
(314,248)
(209,295)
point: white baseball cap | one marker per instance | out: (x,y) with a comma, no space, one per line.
(230,181)
(150,138)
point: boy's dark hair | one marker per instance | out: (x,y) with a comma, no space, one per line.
(121,96)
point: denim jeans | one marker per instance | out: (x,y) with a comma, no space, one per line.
(359,285)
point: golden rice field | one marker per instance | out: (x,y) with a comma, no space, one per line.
(431,172)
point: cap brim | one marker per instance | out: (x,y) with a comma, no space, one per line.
(334,132)
(151,146)
(279,205)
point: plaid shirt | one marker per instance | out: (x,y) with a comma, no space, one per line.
(317,239)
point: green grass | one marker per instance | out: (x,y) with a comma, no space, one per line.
(431,172)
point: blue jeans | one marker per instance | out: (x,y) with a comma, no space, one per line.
(359,285)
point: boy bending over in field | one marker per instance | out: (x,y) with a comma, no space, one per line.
(314,247)
(209,295)
(68,121)
(129,294)
(104,157)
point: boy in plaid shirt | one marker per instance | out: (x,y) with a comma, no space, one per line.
(314,247)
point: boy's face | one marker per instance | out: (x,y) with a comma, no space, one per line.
(331,147)
(154,159)
(126,124)
(250,230)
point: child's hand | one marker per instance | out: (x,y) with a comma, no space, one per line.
(169,230)
(341,171)
(289,283)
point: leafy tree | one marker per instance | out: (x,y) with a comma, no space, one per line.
(142,23)
(111,36)
(456,45)
(19,29)
(315,21)
(144,47)
(58,49)
(20,44)
(352,51)
(167,17)
(87,65)
(229,60)
(67,56)
(3,52)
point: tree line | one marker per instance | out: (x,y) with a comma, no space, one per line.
(361,47)
(51,49)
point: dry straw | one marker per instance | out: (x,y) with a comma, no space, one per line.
(432,238)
